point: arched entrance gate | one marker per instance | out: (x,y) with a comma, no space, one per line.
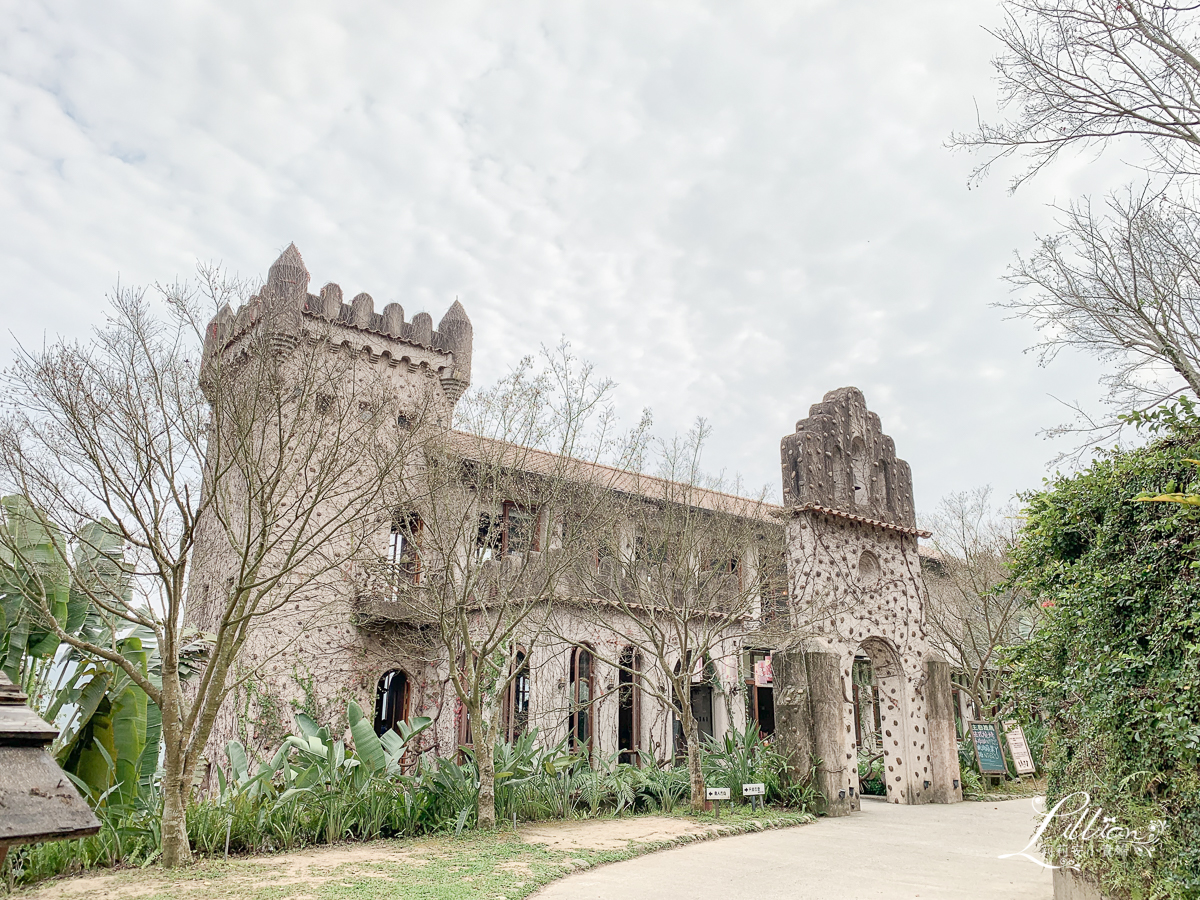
(857,594)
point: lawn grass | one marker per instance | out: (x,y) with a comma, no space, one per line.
(493,865)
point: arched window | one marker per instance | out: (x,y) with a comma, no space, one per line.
(629,707)
(516,700)
(583,681)
(391,700)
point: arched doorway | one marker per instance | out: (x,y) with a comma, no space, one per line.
(391,700)
(877,692)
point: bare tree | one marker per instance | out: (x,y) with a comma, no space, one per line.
(679,577)
(280,427)
(1119,284)
(1122,285)
(1079,73)
(970,616)
(493,517)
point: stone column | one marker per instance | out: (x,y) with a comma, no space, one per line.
(943,737)
(793,716)
(829,729)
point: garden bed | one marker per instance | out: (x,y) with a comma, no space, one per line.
(503,864)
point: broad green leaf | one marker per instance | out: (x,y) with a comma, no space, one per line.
(366,742)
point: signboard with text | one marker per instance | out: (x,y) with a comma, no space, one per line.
(988,753)
(716,793)
(754,790)
(1018,749)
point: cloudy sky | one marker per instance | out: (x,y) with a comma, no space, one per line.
(730,208)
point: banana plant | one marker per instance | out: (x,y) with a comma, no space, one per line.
(109,730)
(382,754)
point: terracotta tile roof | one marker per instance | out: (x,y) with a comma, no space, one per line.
(863,520)
(474,447)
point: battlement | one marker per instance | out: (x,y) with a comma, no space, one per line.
(284,302)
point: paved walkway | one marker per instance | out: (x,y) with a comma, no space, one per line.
(885,851)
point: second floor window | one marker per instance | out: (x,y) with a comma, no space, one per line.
(513,530)
(404,554)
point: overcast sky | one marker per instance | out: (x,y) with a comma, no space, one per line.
(730,208)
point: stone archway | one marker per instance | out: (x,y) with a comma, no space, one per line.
(855,584)
(890,682)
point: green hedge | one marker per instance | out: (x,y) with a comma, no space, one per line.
(1114,661)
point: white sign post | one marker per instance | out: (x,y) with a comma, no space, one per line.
(754,792)
(716,795)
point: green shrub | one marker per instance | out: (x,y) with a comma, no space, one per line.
(1114,659)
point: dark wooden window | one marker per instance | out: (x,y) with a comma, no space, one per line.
(404,552)
(516,700)
(514,530)
(391,700)
(629,707)
(583,691)
(760,698)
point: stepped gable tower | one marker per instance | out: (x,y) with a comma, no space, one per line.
(857,595)
(839,458)
(286,311)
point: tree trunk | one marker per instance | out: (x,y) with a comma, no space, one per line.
(692,731)
(176,849)
(176,783)
(484,758)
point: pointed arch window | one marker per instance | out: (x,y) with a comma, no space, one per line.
(516,700)
(583,690)
(629,707)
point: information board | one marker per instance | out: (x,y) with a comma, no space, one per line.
(716,793)
(754,790)
(1018,749)
(988,753)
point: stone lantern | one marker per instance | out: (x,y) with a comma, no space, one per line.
(38,802)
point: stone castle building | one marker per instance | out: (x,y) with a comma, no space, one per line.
(843,631)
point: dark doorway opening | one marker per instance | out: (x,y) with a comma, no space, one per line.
(391,700)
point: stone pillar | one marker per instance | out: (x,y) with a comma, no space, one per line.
(829,729)
(943,737)
(793,716)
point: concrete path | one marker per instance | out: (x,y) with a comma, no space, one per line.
(885,851)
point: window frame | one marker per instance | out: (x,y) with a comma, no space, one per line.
(588,708)
(513,697)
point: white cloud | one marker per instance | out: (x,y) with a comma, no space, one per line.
(730,208)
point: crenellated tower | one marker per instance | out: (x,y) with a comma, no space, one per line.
(344,385)
(286,310)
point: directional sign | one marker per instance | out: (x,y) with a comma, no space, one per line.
(754,790)
(716,793)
